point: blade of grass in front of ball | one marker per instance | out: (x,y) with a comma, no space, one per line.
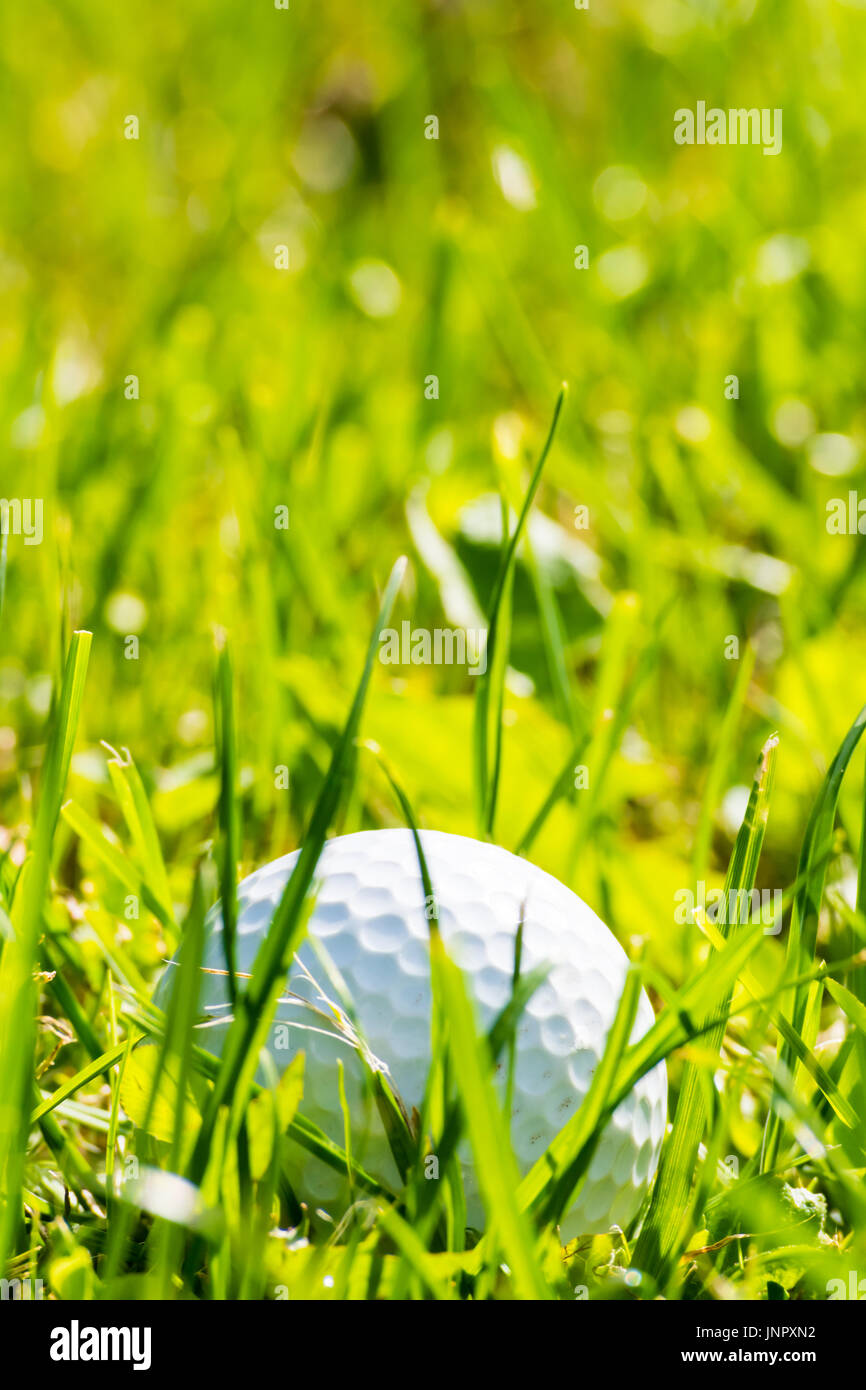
(347,1125)
(565,1181)
(435,1104)
(279,944)
(502,1030)
(302,1131)
(495,1164)
(511,1037)
(673,1027)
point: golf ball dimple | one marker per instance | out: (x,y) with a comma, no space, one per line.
(370,921)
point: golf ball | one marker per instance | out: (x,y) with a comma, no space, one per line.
(369,933)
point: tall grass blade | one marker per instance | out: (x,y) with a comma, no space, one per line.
(803,932)
(495,1165)
(133,802)
(489,693)
(258,1001)
(229,814)
(20,955)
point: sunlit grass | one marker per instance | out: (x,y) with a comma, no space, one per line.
(223,445)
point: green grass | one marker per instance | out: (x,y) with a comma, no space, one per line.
(278,456)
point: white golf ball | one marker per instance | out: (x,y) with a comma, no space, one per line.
(370,923)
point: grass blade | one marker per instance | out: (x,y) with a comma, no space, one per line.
(258,1001)
(803,933)
(489,694)
(20,956)
(488,1132)
(133,802)
(229,815)
(567,1176)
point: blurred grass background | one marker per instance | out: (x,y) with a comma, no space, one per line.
(304,387)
